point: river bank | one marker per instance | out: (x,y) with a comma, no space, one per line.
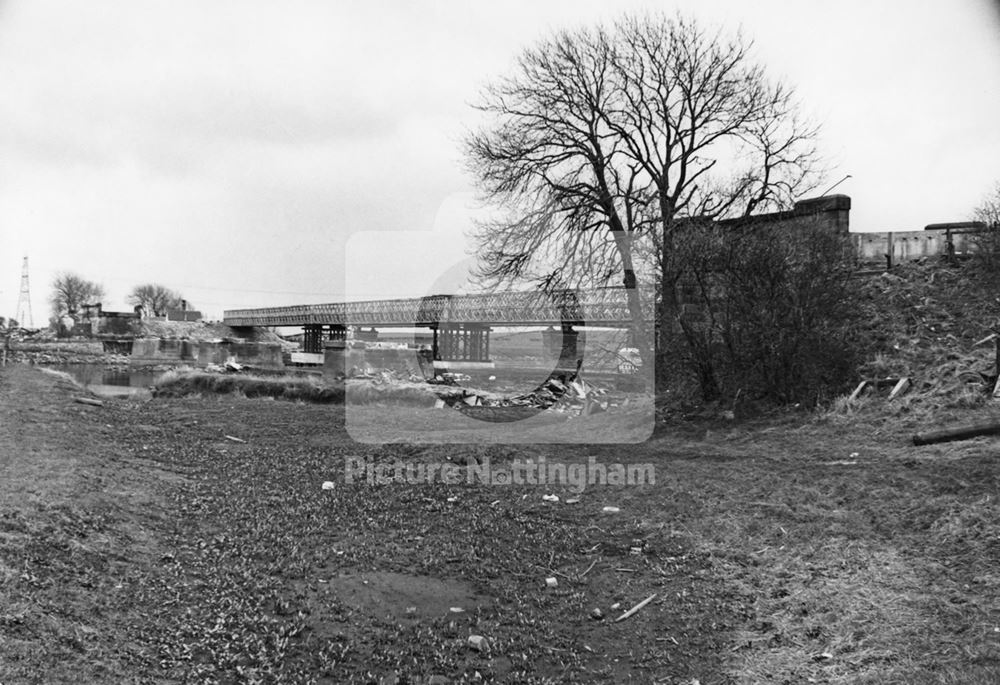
(226,539)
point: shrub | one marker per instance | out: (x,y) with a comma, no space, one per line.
(763,311)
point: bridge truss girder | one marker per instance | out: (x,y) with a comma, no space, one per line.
(597,307)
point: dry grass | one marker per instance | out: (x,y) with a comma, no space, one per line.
(186,381)
(63,379)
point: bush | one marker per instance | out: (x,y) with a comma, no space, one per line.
(763,311)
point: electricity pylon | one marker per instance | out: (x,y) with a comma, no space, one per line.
(24,300)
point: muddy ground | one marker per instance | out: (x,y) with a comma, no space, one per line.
(139,543)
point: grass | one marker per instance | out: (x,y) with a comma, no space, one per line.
(773,560)
(186,381)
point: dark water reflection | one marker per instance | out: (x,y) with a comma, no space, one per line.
(111,380)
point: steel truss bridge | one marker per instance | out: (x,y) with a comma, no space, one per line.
(596,307)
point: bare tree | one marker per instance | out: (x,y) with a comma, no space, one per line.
(70,292)
(989,210)
(155,298)
(986,242)
(602,137)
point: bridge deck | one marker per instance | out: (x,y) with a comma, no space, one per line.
(598,307)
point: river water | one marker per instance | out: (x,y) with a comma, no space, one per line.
(111,381)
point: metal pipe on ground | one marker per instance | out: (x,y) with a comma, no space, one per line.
(961,433)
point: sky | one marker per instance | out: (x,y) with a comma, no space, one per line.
(252,153)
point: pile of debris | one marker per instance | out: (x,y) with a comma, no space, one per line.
(557,393)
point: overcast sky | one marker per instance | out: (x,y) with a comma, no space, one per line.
(243,152)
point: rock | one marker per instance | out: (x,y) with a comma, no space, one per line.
(478,643)
(597,614)
(551,582)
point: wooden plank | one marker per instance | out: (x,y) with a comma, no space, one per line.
(858,390)
(901,387)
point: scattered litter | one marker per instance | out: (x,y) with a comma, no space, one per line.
(610,510)
(457,610)
(551,582)
(825,656)
(411,610)
(638,607)
(328,485)
(478,643)
(452,500)
(616,606)
(597,614)
(575,500)
(492,378)
(234,439)
(854,455)
(592,564)
(550,498)
(635,551)
(87,400)
(839,462)
(439,404)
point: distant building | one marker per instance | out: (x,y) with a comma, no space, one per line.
(182,314)
(92,320)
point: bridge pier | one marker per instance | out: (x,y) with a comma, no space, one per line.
(312,336)
(459,345)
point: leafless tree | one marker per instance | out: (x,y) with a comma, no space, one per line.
(155,298)
(986,258)
(602,138)
(989,210)
(70,292)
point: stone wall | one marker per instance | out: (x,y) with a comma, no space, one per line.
(154,351)
(255,354)
(832,212)
(151,351)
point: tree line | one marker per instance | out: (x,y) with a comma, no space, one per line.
(70,292)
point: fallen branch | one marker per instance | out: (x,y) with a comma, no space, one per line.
(234,439)
(636,608)
(87,400)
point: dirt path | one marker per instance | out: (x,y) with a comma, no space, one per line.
(78,516)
